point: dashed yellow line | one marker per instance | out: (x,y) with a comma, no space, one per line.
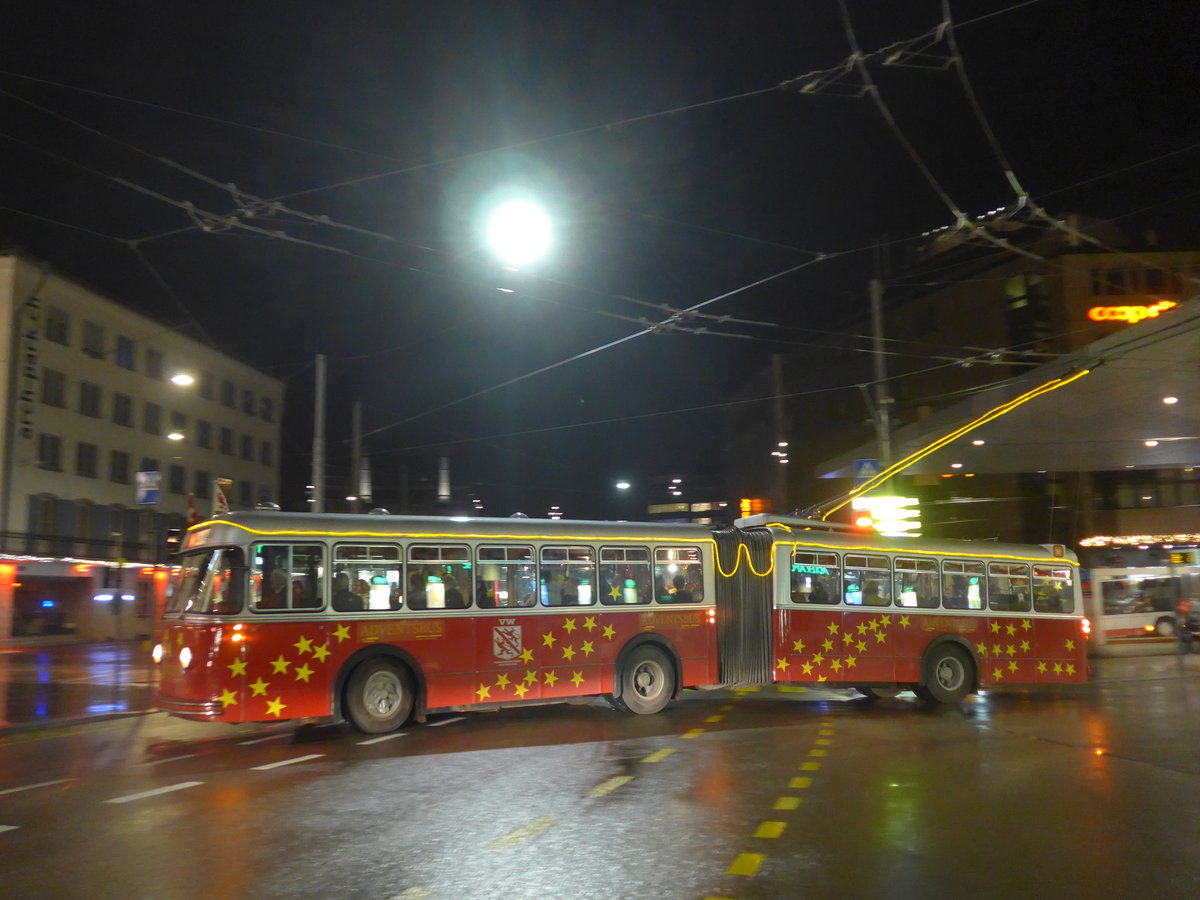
(609,786)
(714,718)
(658,755)
(800,782)
(809,766)
(787,803)
(691,733)
(746,864)
(770,829)
(818,752)
(524,833)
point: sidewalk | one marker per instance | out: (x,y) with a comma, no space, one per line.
(67,683)
(63,683)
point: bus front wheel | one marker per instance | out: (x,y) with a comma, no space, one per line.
(379,696)
(947,674)
(647,682)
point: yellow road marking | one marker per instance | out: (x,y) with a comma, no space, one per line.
(818,752)
(659,755)
(714,719)
(799,782)
(825,731)
(746,864)
(691,733)
(787,803)
(534,828)
(809,766)
(770,829)
(726,708)
(822,742)
(609,786)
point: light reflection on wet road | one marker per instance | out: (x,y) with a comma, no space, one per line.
(1076,790)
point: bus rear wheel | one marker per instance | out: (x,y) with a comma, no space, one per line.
(647,682)
(948,672)
(379,696)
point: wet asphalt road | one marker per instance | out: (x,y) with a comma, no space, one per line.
(1089,790)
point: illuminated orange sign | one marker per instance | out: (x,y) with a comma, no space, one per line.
(1130,314)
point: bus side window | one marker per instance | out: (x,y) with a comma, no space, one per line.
(963,584)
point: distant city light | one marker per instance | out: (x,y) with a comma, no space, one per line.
(175,436)
(1170,400)
(956,465)
(978,442)
(1151,443)
(623,485)
(519,232)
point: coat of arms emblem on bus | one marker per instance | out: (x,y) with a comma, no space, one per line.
(506,641)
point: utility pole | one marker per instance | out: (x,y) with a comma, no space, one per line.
(356,458)
(318,446)
(883,400)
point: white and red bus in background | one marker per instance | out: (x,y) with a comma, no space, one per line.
(1134,590)
(376,618)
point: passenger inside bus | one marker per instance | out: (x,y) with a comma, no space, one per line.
(275,595)
(345,600)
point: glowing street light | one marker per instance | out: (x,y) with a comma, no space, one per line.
(183,379)
(519,232)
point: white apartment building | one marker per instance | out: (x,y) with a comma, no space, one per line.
(89,402)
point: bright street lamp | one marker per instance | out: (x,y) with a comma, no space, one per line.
(519,232)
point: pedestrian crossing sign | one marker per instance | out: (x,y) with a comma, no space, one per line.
(865,470)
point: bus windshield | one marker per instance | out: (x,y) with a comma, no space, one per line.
(206,583)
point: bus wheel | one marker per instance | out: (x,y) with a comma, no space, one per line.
(1165,626)
(947,674)
(647,681)
(379,696)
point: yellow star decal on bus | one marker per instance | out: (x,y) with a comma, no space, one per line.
(342,633)
(820,678)
(848,637)
(904,622)
(1024,646)
(548,639)
(281,664)
(1010,628)
(1012,666)
(526,655)
(833,627)
(531,677)
(569,626)
(502,681)
(880,636)
(520,690)
(259,688)
(276,707)
(569,652)
(851,662)
(484,692)
(862,627)
(228,698)
(827,645)
(1026,624)
(860,646)
(798,646)
(982,648)
(589,622)
(615,592)
(1058,668)
(304,645)
(577,678)
(1070,644)
(997,650)
(587,648)
(319,653)
(1010,650)
(303,673)
(836,665)
(782,664)
(609,632)
(1070,668)
(806,668)
(873,624)
(236,668)
(550,678)
(995,626)
(998,674)
(818,658)
(1041,665)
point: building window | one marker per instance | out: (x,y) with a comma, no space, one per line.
(248,401)
(58,326)
(228,394)
(154,363)
(266,409)
(247,447)
(201,482)
(1114,281)
(264,453)
(176,479)
(152,420)
(245,493)
(149,464)
(50,452)
(93,340)
(204,434)
(124,357)
(86,457)
(226,445)
(179,422)
(89,399)
(123,410)
(206,385)
(54,388)
(118,467)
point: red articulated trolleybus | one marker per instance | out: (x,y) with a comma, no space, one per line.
(377,618)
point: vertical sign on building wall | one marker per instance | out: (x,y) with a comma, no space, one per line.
(147,485)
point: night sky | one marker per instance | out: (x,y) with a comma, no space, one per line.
(669,141)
